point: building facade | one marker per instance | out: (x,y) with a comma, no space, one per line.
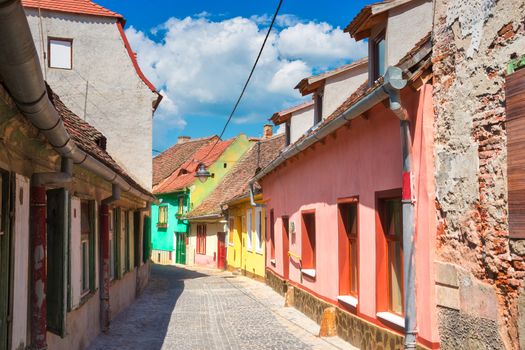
(86,57)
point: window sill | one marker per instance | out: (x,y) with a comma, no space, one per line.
(260,252)
(273,262)
(308,272)
(348,300)
(392,318)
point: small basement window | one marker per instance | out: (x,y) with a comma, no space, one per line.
(60,53)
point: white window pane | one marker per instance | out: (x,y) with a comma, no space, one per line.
(60,53)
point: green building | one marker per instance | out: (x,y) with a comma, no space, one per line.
(179,191)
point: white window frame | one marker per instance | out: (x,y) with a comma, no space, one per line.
(258,229)
(63,48)
(249,243)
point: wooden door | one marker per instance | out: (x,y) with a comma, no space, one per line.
(180,255)
(221,250)
(286,247)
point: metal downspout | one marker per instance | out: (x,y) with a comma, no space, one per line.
(408,206)
(105,309)
(252,197)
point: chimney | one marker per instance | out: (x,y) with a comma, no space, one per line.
(183,139)
(268,131)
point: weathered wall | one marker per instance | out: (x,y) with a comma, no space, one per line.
(473,42)
(339,87)
(118,103)
(209,259)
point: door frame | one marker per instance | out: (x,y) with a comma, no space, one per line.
(221,250)
(285,230)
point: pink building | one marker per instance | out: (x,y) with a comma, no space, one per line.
(346,195)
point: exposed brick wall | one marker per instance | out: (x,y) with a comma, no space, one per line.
(473,40)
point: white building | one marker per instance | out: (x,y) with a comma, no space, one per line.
(87,60)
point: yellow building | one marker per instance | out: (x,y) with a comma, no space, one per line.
(246,237)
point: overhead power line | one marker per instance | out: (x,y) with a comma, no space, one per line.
(247,80)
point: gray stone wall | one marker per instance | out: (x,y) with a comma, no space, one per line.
(103,87)
(473,40)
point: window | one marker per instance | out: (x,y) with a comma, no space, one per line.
(163,217)
(378,57)
(515,124)
(201,239)
(287,132)
(308,240)
(87,247)
(117,242)
(348,248)
(231,230)
(272,235)
(127,243)
(249,242)
(136,238)
(258,229)
(392,231)
(111,246)
(60,52)
(180,208)
(318,112)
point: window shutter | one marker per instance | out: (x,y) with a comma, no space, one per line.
(117,239)
(57,248)
(515,109)
(92,244)
(136,231)
(146,244)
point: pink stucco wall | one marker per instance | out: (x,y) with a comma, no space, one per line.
(359,161)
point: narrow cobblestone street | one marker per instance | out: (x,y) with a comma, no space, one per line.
(207,309)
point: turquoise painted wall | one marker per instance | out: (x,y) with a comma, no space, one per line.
(164,238)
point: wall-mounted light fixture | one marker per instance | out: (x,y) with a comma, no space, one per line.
(202,173)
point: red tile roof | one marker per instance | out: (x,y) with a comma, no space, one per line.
(171,159)
(83,7)
(235,183)
(89,139)
(185,174)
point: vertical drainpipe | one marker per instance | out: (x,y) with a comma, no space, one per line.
(409,263)
(105,309)
(38,250)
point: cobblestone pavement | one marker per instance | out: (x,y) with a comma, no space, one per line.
(201,309)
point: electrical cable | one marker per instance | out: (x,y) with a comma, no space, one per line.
(247,81)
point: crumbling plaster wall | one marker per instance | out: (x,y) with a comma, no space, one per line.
(473,42)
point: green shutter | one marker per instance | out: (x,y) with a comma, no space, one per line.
(117,235)
(4,258)
(126,238)
(136,232)
(57,235)
(146,241)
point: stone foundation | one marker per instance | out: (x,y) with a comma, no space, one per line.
(277,283)
(356,331)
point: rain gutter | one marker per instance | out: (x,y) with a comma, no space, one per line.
(21,73)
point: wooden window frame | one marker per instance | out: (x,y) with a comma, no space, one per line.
(318,106)
(117,237)
(346,240)
(384,293)
(162,219)
(53,38)
(374,54)
(258,230)
(201,239)
(308,241)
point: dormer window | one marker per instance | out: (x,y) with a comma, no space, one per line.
(287,132)
(318,103)
(378,57)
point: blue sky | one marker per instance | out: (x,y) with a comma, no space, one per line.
(199,54)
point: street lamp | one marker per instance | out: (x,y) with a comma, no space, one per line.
(202,173)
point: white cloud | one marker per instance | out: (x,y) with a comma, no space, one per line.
(201,64)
